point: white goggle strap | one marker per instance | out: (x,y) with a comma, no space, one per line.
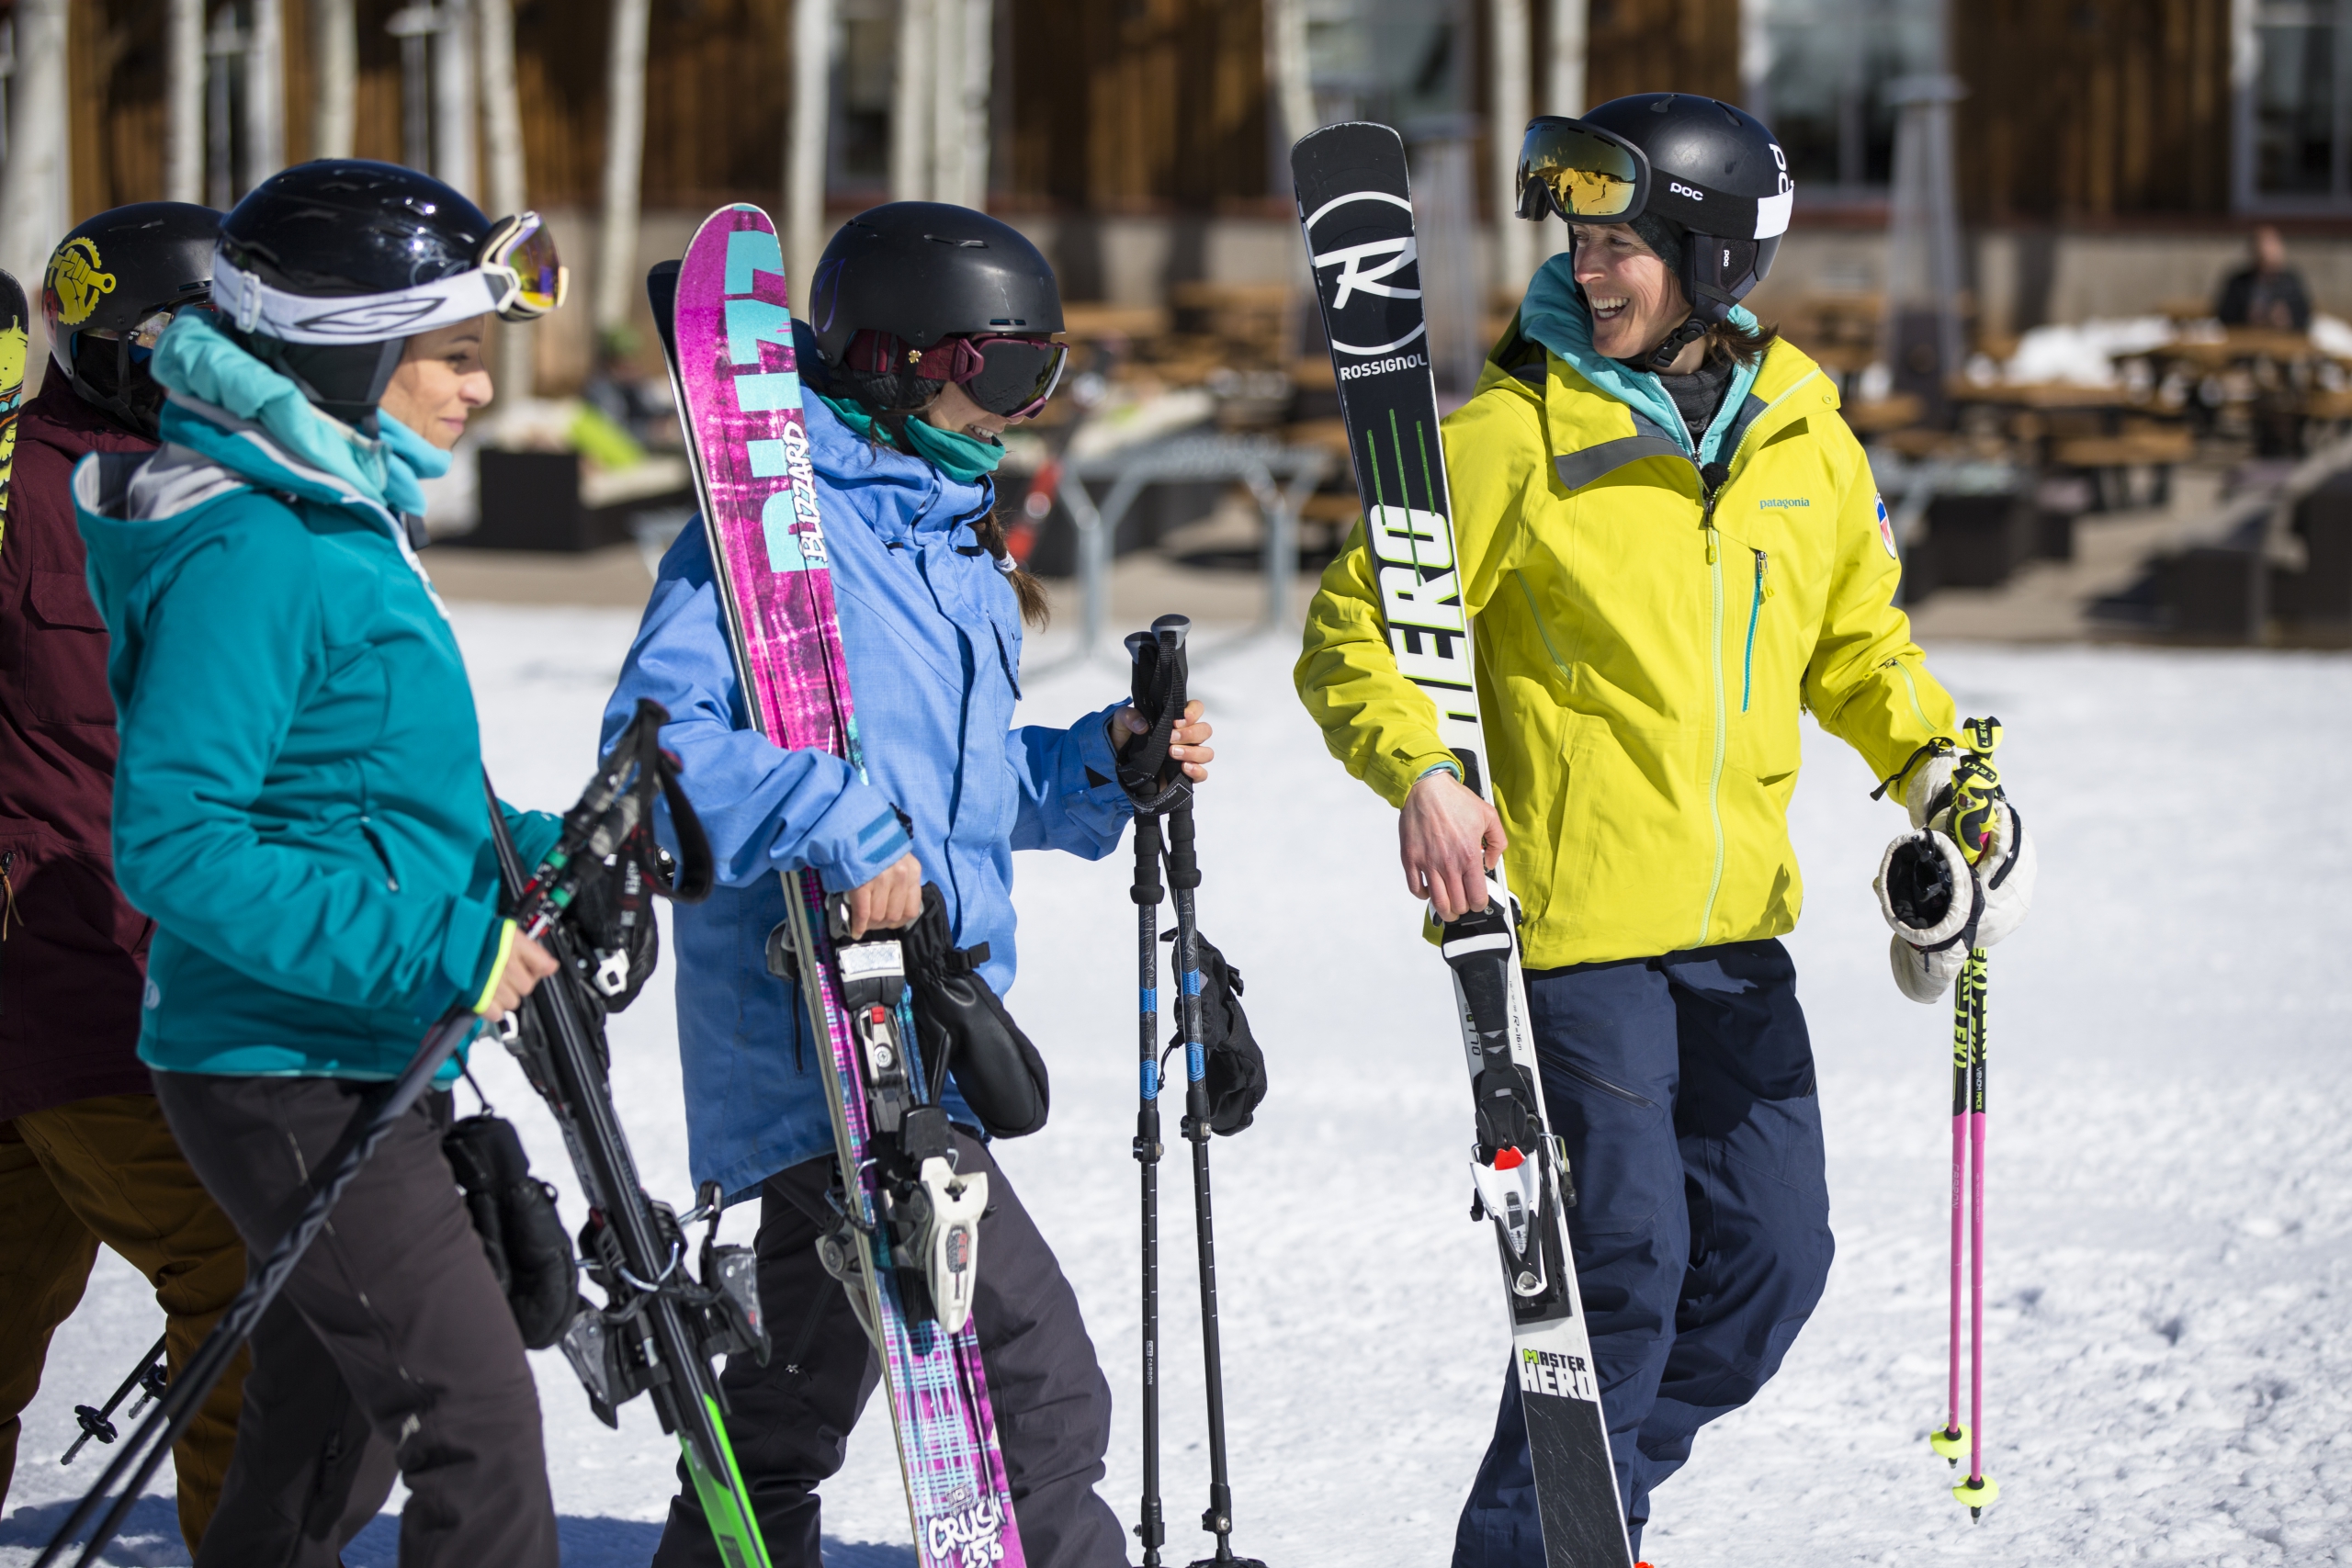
(254,306)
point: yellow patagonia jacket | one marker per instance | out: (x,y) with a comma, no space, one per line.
(1640,664)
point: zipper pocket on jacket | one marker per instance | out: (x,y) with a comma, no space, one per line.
(1587,1076)
(391,878)
(1754,612)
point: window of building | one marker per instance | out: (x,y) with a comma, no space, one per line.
(1817,73)
(1400,62)
(2295,104)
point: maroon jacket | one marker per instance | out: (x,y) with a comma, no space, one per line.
(75,958)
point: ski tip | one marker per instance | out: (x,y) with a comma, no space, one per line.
(1979,1492)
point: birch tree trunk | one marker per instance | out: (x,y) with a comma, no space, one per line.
(35,189)
(183,101)
(1294,82)
(454,141)
(811,116)
(911,101)
(1563,85)
(335,53)
(1514,239)
(504,173)
(264,117)
(624,165)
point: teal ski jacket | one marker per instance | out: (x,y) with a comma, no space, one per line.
(299,804)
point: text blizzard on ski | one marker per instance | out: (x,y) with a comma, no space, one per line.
(1383,367)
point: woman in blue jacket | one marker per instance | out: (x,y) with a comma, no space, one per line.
(298,807)
(931,333)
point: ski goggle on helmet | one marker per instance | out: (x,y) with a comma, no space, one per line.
(1581,172)
(1010,377)
(516,275)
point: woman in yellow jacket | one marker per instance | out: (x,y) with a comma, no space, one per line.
(1672,545)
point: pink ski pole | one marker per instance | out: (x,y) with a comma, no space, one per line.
(1978,1490)
(1948,1441)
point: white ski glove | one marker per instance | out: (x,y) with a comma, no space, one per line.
(1938,906)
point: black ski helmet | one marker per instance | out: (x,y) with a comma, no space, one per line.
(110,277)
(924,270)
(1712,172)
(325,269)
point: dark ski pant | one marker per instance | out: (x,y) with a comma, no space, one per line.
(790,1421)
(391,1350)
(1683,1086)
(106,1169)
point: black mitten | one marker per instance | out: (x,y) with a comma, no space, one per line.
(1234,1068)
(961,1022)
(515,1215)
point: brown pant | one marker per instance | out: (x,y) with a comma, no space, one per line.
(107,1170)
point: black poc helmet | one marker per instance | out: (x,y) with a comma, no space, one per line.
(107,291)
(325,269)
(1710,172)
(899,280)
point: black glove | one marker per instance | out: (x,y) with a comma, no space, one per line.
(529,1250)
(961,1022)
(1235,1070)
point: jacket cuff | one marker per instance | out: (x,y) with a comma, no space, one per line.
(1098,780)
(1395,777)
(857,839)
(506,950)
(473,953)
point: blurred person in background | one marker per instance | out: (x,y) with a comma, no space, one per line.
(2266,292)
(85,1155)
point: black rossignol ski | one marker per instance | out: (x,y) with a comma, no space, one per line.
(1355,205)
(660,1327)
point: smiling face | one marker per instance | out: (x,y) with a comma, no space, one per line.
(441,379)
(1634,302)
(954,409)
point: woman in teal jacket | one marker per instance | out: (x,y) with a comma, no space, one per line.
(299,806)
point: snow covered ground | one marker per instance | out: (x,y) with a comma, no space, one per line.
(2170,1372)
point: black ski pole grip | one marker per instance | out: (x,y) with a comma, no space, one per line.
(1183,866)
(1139,687)
(1146,890)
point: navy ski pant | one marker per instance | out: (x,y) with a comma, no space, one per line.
(1683,1086)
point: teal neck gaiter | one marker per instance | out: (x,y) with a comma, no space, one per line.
(964,458)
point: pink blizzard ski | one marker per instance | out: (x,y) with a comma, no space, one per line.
(740,392)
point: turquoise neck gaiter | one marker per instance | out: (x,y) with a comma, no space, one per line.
(964,458)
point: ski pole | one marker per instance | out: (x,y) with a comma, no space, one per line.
(1950,1439)
(1976,791)
(1184,877)
(150,1377)
(1978,1491)
(1150,1528)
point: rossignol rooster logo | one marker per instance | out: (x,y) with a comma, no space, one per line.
(1371,271)
(76,281)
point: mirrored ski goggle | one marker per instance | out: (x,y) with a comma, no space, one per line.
(1581,172)
(520,261)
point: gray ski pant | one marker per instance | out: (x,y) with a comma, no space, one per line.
(391,1352)
(790,1421)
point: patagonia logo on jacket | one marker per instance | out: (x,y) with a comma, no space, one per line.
(1786,501)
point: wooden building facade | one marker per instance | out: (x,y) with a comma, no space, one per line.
(2094,111)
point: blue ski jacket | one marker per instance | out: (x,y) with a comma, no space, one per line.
(932,635)
(298,802)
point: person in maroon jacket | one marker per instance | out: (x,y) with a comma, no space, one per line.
(85,1157)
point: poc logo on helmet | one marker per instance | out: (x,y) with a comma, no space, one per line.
(1679,189)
